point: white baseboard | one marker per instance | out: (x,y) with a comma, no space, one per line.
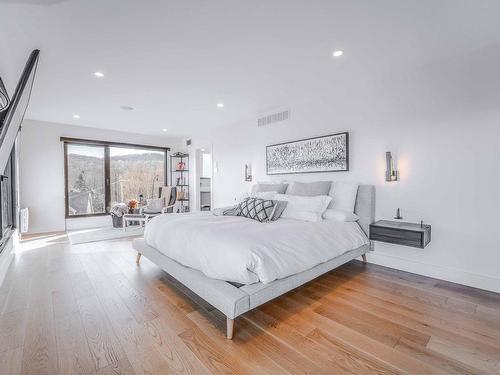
(438,272)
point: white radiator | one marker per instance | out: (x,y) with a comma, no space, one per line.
(24,217)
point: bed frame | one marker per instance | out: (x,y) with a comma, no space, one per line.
(233,301)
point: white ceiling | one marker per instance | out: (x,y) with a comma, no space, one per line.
(173,61)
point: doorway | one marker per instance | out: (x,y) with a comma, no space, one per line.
(205,183)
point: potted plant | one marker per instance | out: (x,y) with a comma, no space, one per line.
(117,212)
(133,204)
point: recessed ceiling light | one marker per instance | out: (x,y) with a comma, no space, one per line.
(76,116)
(202,150)
(338,53)
(99,74)
(163,130)
(127,108)
(220,105)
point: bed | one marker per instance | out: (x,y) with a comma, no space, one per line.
(239,296)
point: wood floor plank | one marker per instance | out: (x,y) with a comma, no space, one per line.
(12,329)
(64,302)
(103,344)
(340,304)
(286,357)
(436,359)
(73,352)
(138,304)
(210,354)
(18,297)
(406,279)
(3,299)
(122,367)
(356,362)
(11,361)
(81,285)
(452,322)
(181,359)
(39,353)
(140,341)
(330,332)
(360,344)
(473,295)
(310,349)
(468,355)
(242,345)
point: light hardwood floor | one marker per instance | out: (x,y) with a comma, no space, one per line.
(89,309)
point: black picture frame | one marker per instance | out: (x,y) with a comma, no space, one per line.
(346,169)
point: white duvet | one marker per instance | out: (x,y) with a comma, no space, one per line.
(242,250)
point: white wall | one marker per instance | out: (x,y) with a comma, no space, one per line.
(42,170)
(449,170)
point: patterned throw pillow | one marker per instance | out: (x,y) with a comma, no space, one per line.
(257,209)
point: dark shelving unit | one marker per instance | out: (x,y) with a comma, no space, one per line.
(180,178)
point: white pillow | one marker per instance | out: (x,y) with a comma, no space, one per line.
(343,195)
(340,215)
(304,208)
(264,194)
(154,204)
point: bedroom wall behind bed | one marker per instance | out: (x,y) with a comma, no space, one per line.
(448,162)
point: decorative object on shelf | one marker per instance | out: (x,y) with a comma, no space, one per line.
(179,174)
(391,174)
(401,233)
(180,166)
(181,181)
(328,153)
(248,172)
(398,215)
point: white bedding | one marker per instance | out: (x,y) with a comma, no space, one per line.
(242,250)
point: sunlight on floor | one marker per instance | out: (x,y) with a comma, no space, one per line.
(40,242)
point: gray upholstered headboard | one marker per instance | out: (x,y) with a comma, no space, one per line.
(365,206)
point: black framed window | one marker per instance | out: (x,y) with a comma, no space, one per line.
(7,200)
(100,174)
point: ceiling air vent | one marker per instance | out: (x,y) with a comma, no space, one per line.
(274,117)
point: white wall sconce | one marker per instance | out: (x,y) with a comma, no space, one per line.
(248,172)
(390,174)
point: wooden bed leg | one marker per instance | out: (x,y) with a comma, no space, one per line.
(364,258)
(138,259)
(230,328)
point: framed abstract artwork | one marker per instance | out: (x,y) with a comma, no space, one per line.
(329,153)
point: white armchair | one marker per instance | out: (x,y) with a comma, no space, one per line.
(158,206)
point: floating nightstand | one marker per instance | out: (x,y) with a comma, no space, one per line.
(401,233)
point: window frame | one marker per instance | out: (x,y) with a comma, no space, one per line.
(107,169)
(5,235)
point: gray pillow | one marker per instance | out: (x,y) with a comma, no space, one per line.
(278,211)
(225,211)
(279,188)
(309,189)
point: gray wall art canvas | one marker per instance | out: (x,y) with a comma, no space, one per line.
(328,153)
